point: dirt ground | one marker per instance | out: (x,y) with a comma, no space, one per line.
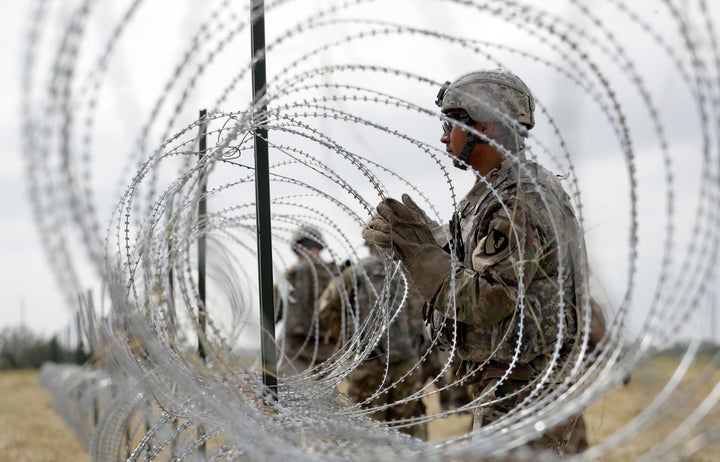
(31,431)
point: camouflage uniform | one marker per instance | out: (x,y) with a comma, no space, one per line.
(303,342)
(396,355)
(494,230)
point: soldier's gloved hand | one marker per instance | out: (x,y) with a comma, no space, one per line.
(440,234)
(403,227)
(399,226)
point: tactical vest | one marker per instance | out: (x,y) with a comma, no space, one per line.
(530,333)
(307,278)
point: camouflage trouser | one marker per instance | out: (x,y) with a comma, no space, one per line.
(368,378)
(456,394)
(298,357)
(568,437)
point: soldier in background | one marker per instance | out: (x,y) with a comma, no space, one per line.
(303,346)
(512,233)
(366,287)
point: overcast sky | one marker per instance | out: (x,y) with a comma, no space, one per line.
(144,62)
(28,289)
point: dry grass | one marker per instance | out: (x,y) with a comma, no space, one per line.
(612,412)
(623,404)
(31,431)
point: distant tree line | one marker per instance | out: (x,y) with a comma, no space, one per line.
(20,348)
(706,348)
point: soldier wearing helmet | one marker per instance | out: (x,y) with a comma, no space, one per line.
(302,342)
(507,296)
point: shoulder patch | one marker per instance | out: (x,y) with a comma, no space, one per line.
(496,242)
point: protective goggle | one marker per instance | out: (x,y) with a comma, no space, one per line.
(459,116)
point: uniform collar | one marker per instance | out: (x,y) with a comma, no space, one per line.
(494,177)
(496,174)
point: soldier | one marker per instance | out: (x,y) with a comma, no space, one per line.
(303,346)
(520,253)
(397,353)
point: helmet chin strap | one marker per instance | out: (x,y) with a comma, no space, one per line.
(470,142)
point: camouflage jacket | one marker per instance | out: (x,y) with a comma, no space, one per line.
(512,239)
(361,291)
(306,280)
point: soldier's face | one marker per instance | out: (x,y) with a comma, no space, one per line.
(454,138)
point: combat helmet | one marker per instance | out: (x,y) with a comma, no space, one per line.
(489,96)
(308,236)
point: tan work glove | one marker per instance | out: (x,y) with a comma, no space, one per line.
(438,231)
(403,227)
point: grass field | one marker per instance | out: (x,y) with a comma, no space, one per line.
(615,410)
(31,431)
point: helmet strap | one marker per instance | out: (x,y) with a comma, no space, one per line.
(470,142)
(512,142)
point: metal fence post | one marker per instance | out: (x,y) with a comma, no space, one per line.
(262,200)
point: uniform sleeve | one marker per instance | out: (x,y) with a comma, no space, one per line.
(278,299)
(509,247)
(277,305)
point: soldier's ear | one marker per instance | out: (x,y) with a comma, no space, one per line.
(486,128)
(483,127)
